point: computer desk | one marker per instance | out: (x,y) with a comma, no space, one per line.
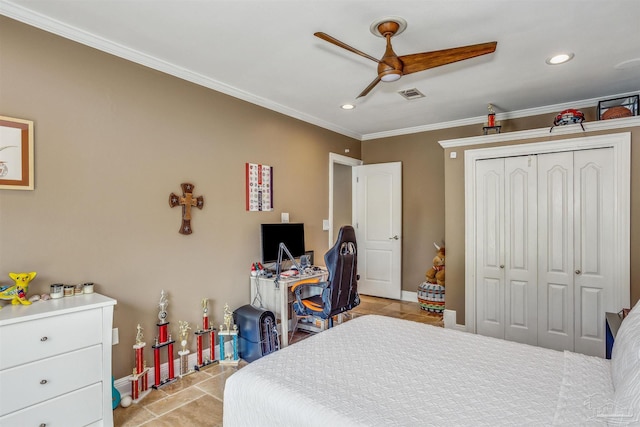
(265,294)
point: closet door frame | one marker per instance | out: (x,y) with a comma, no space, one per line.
(621,144)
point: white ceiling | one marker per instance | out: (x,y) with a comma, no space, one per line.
(264,52)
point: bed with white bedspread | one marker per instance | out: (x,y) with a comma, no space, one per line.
(381,371)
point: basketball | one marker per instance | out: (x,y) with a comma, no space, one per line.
(616,113)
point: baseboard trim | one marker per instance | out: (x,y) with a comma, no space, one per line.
(449,317)
(409,296)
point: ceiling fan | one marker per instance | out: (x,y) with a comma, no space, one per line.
(391,66)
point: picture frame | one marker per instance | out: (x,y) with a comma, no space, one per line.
(625,106)
(16,154)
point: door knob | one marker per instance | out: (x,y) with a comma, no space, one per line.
(394,237)
(578,271)
(501,265)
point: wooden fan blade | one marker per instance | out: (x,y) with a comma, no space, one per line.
(328,38)
(368,88)
(423,61)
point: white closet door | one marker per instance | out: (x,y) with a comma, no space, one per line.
(490,256)
(555,251)
(593,254)
(521,257)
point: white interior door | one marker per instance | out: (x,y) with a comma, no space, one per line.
(583,222)
(490,301)
(521,256)
(378,224)
(555,251)
(506,248)
(593,257)
(544,229)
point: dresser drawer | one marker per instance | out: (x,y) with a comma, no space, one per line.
(28,341)
(79,408)
(36,382)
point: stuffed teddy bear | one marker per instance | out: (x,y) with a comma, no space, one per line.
(436,273)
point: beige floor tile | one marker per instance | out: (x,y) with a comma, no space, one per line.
(202,412)
(132,416)
(215,385)
(175,400)
(186,382)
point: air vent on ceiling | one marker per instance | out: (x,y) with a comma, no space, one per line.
(411,93)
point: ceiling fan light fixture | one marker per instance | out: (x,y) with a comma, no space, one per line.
(391,76)
(560,58)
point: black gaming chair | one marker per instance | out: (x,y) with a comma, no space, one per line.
(340,291)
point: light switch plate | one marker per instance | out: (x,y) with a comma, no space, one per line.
(325,225)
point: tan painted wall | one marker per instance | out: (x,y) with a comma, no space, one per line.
(342,211)
(112,140)
(422,197)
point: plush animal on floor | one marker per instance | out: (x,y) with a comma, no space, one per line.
(436,273)
(17,293)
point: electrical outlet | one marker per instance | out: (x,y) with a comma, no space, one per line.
(115,336)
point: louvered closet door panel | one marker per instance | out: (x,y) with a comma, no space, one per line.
(555,251)
(521,257)
(593,225)
(490,257)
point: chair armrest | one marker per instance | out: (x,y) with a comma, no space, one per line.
(304,308)
(306,283)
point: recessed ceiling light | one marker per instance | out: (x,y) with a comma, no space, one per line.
(559,59)
(347,106)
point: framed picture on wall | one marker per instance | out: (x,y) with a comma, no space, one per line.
(16,154)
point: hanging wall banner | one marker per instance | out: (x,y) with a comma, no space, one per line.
(259,187)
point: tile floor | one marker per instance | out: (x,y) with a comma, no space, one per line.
(196,400)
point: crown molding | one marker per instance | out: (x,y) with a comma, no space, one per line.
(480,120)
(543,132)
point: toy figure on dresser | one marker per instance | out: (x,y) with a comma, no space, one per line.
(17,293)
(225,331)
(184,353)
(140,375)
(211,332)
(163,339)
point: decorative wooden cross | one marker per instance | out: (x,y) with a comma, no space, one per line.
(187,200)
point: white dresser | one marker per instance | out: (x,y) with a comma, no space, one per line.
(55,362)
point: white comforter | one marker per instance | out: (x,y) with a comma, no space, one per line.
(380,371)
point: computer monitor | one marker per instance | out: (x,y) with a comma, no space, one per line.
(292,235)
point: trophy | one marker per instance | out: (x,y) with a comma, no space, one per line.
(184,353)
(224,334)
(200,334)
(491,122)
(140,375)
(163,339)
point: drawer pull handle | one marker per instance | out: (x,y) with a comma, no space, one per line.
(43,425)
(43,382)
(43,339)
